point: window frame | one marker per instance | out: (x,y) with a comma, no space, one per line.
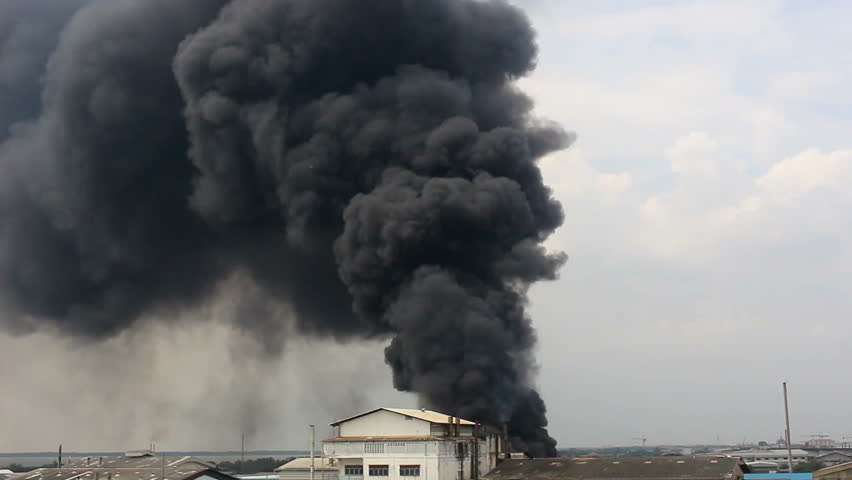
(355,467)
(379,467)
(408,469)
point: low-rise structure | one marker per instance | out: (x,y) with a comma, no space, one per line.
(408,444)
(831,459)
(627,468)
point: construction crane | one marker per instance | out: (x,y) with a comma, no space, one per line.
(643,440)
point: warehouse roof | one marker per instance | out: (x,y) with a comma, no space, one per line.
(832,470)
(147,467)
(645,468)
(422,414)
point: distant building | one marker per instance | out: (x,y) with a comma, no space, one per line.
(300,469)
(134,466)
(833,458)
(837,472)
(776,456)
(616,468)
(820,443)
(405,444)
(761,467)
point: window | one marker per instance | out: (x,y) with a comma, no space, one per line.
(409,470)
(461,449)
(357,470)
(379,470)
(374,447)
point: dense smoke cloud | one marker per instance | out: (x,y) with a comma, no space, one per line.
(367,163)
(29,31)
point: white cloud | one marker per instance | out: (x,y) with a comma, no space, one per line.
(741,19)
(801,85)
(728,248)
(694,154)
(807,171)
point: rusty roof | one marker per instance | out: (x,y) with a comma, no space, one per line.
(422,414)
(645,468)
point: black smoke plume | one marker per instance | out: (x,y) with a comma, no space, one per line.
(369,163)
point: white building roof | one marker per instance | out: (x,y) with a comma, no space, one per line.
(303,463)
(774,452)
(422,414)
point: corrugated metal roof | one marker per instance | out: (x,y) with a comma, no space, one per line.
(646,468)
(128,468)
(428,415)
(144,461)
(422,414)
(305,463)
(831,470)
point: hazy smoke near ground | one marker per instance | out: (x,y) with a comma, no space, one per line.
(366,163)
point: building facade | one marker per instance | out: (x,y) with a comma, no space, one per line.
(405,444)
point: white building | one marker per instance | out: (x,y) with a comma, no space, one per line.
(777,456)
(402,444)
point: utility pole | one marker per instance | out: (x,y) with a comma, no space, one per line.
(789,436)
(243,453)
(313,432)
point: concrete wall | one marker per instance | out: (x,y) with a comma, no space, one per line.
(385,423)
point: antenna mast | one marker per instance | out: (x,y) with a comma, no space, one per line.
(787,418)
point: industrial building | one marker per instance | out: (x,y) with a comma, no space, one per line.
(134,466)
(407,444)
(615,468)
